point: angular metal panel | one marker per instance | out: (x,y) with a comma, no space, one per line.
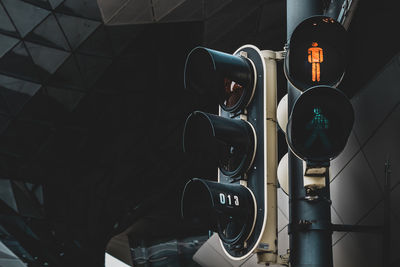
(55,3)
(68,75)
(7,194)
(189,10)
(337,164)
(48,59)
(16,92)
(377,100)
(76,29)
(355,191)
(81,8)
(358,250)
(49,33)
(110,9)
(39,3)
(25,16)
(17,62)
(6,25)
(27,204)
(133,12)
(383,145)
(6,44)
(162,8)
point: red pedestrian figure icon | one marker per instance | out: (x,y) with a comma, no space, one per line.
(315,57)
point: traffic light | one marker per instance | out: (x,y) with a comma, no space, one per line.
(320,124)
(322,117)
(228,209)
(317,53)
(241,141)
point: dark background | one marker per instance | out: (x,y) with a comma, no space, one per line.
(92,115)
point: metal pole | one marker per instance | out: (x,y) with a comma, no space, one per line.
(310,232)
(386,215)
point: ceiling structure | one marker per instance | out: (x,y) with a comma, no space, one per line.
(93,106)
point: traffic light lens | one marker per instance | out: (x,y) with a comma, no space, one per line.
(228,209)
(200,74)
(224,78)
(197,206)
(231,226)
(317,53)
(230,143)
(318,133)
(231,158)
(233,93)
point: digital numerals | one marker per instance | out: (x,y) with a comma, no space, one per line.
(228,199)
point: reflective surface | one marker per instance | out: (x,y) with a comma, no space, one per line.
(320,124)
(223,78)
(49,33)
(6,25)
(224,208)
(229,143)
(24,15)
(317,53)
(233,93)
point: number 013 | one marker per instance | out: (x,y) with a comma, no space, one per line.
(222,199)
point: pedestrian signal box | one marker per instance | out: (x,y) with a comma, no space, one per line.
(317,53)
(322,117)
(320,124)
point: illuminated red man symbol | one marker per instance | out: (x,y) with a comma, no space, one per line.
(315,57)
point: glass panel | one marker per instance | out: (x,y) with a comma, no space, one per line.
(6,43)
(49,33)
(16,93)
(7,194)
(24,15)
(82,8)
(134,12)
(76,29)
(55,3)
(188,10)
(19,86)
(26,206)
(68,75)
(48,59)
(41,3)
(163,8)
(17,62)
(384,144)
(5,23)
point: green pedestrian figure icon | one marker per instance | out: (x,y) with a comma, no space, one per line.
(319,124)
